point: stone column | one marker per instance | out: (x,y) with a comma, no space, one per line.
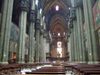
(22,26)
(5,30)
(73,18)
(37,36)
(42,46)
(70,24)
(75,40)
(71,30)
(31,35)
(72,53)
(69,48)
(44,39)
(90,31)
(77,44)
(3,25)
(82,35)
(81,49)
(73,49)
(48,47)
(79,36)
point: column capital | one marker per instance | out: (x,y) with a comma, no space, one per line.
(24,5)
(73,13)
(32,16)
(78,3)
(71,23)
(38,24)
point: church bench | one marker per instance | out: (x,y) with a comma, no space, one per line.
(91,73)
(53,68)
(35,64)
(70,67)
(55,64)
(82,69)
(49,70)
(76,67)
(4,69)
(10,68)
(45,72)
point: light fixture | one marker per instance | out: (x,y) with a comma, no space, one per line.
(36,2)
(57,8)
(58,34)
(53,33)
(69,8)
(43,17)
(64,33)
(40,10)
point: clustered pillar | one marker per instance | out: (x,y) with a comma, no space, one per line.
(47,47)
(76,42)
(22,25)
(81,49)
(27,17)
(90,31)
(31,33)
(44,49)
(37,36)
(42,46)
(7,7)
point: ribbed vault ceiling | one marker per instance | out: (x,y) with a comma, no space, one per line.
(56,21)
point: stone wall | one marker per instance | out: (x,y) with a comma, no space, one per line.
(96,13)
(14,41)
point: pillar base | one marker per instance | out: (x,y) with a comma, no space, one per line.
(96,62)
(31,62)
(21,62)
(76,61)
(82,62)
(93,62)
(41,62)
(4,63)
(37,61)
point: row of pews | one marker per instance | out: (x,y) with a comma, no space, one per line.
(49,70)
(16,68)
(83,68)
(56,68)
(75,68)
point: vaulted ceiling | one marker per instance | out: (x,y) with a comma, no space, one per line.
(56,21)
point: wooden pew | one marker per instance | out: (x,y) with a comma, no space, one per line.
(9,68)
(83,68)
(80,69)
(45,72)
(49,70)
(91,72)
